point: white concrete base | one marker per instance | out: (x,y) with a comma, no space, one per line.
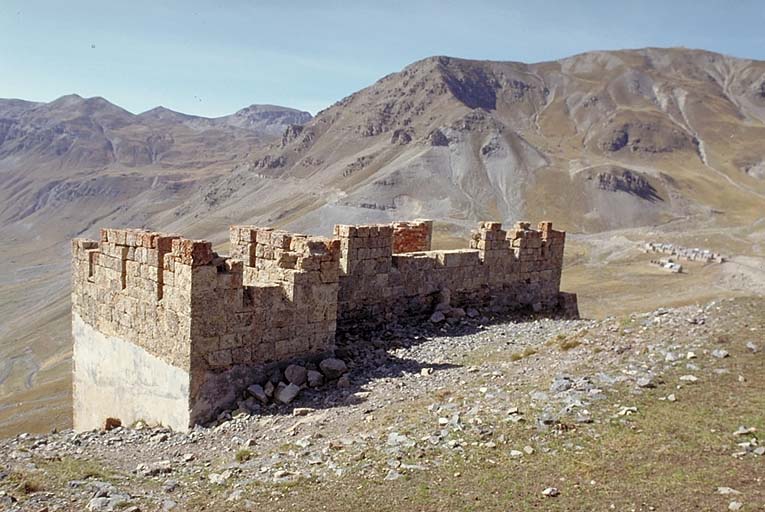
(116,379)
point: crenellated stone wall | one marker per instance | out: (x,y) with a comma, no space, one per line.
(158,308)
(521,267)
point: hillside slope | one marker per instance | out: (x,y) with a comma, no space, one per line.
(596,141)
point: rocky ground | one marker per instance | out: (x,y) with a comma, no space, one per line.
(653,411)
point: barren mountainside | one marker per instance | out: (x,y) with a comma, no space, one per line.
(597,141)
(76,132)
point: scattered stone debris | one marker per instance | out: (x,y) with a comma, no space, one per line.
(286,393)
(626,411)
(296,374)
(551,492)
(744,431)
(462,372)
(333,368)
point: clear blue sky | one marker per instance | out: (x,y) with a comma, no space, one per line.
(214,57)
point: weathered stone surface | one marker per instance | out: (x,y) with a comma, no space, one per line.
(344,382)
(437,317)
(333,368)
(286,394)
(315,379)
(257,391)
(296,374)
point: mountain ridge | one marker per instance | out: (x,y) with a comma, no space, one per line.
(103,133)
(544,122)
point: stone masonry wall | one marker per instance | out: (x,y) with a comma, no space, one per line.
(133,288)
(285,300)
(136,285)
(281,296)
(205,314)
(274,299)
(522,267)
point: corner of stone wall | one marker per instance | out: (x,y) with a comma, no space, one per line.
(118,288)
(274,299)
(134,287)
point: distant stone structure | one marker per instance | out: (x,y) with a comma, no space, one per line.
(167,331)
(668,264)
(684,253)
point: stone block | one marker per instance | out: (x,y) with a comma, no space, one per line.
(193,252)
(345,231)
(491,226)
(220,358)
(280,240)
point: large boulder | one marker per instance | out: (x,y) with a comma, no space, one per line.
(296,374)
(257,391)
(315,379)
(333,368)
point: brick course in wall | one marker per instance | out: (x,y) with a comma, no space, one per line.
(280,296)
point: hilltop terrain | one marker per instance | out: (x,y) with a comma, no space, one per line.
(653,411)
(616,147)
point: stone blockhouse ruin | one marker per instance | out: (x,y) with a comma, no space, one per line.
(167,331)
(685,253)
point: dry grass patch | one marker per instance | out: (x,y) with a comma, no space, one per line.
(527,352)
(243,456)
(26,482)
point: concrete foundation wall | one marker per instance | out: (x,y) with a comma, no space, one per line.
(114,378)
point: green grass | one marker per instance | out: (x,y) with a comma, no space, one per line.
(68,469)
(52,474)
(26,482)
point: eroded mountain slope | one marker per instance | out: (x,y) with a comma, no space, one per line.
(599,140)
